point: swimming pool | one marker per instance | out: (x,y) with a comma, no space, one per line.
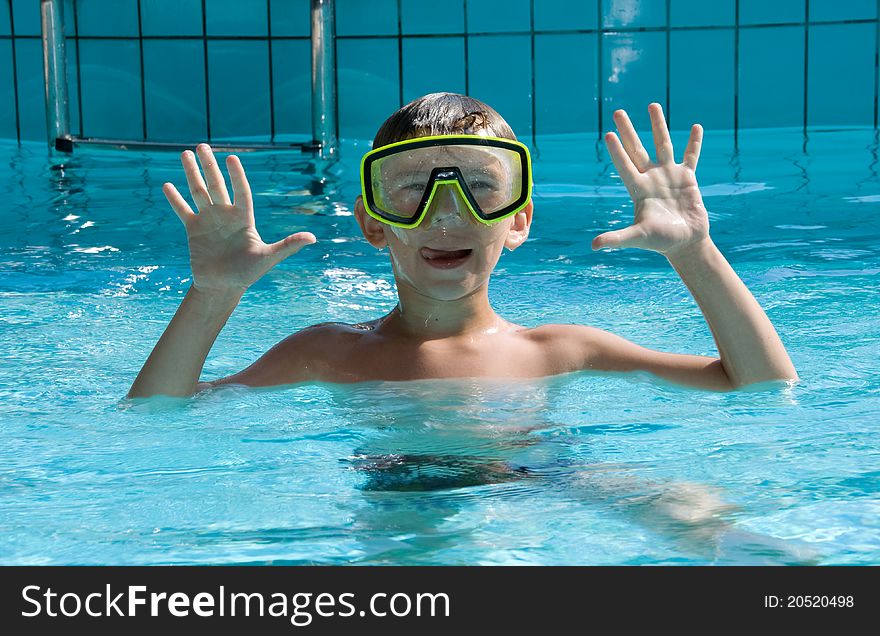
(466,471)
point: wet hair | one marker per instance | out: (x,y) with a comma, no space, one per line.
(442,114)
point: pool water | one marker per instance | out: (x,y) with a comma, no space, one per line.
(581,468)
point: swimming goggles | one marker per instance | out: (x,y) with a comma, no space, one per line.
(492,175)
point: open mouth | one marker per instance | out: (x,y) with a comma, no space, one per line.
(445,259)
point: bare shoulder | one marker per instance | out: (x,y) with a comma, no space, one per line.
(567,335)
(311,337)
(567,346)
(299,357)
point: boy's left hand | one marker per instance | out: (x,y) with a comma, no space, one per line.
(669,211)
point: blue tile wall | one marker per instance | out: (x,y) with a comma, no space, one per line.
(7,92)
(4,18)
(73,87)
(414,19)
(234,17)
(110,80)
(67,16)
(555,15)
(701,86)
(29,71)
(835,98)
(444,55)
(634,75)
(292,87)
(175,102)
(585,59)
(369,85)
(106,17)
(489,16)
(633,14)
(777,11)
(499,73)
(690,13)
(375,17)
(290,18)
(171,17)
(31,96)
(771,77)
(238,77)
(26,16)
(827,10)
(566,95)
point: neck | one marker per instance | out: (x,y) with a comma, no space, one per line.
(417,315)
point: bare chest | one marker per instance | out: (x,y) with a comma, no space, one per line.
(368,359)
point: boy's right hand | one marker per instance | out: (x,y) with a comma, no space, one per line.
(226,253)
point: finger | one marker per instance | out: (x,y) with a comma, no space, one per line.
(178,203)
(619,238)
(695,143)
(630,139)
(662,140)
(241,189)
(625,167)
(291,245)
(216,183)
(197,187)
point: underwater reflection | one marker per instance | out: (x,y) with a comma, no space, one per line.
(425,473)
(441,444)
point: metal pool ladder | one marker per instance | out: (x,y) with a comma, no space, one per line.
(324,142)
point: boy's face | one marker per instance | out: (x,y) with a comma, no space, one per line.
(417,254)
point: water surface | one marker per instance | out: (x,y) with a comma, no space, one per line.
(573,469)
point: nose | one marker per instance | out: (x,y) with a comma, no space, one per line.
(448,207)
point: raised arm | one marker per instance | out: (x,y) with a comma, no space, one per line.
(227,256)
(670,218)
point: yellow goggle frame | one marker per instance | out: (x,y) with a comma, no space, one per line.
(445,175)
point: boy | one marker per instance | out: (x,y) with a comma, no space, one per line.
(446,207)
